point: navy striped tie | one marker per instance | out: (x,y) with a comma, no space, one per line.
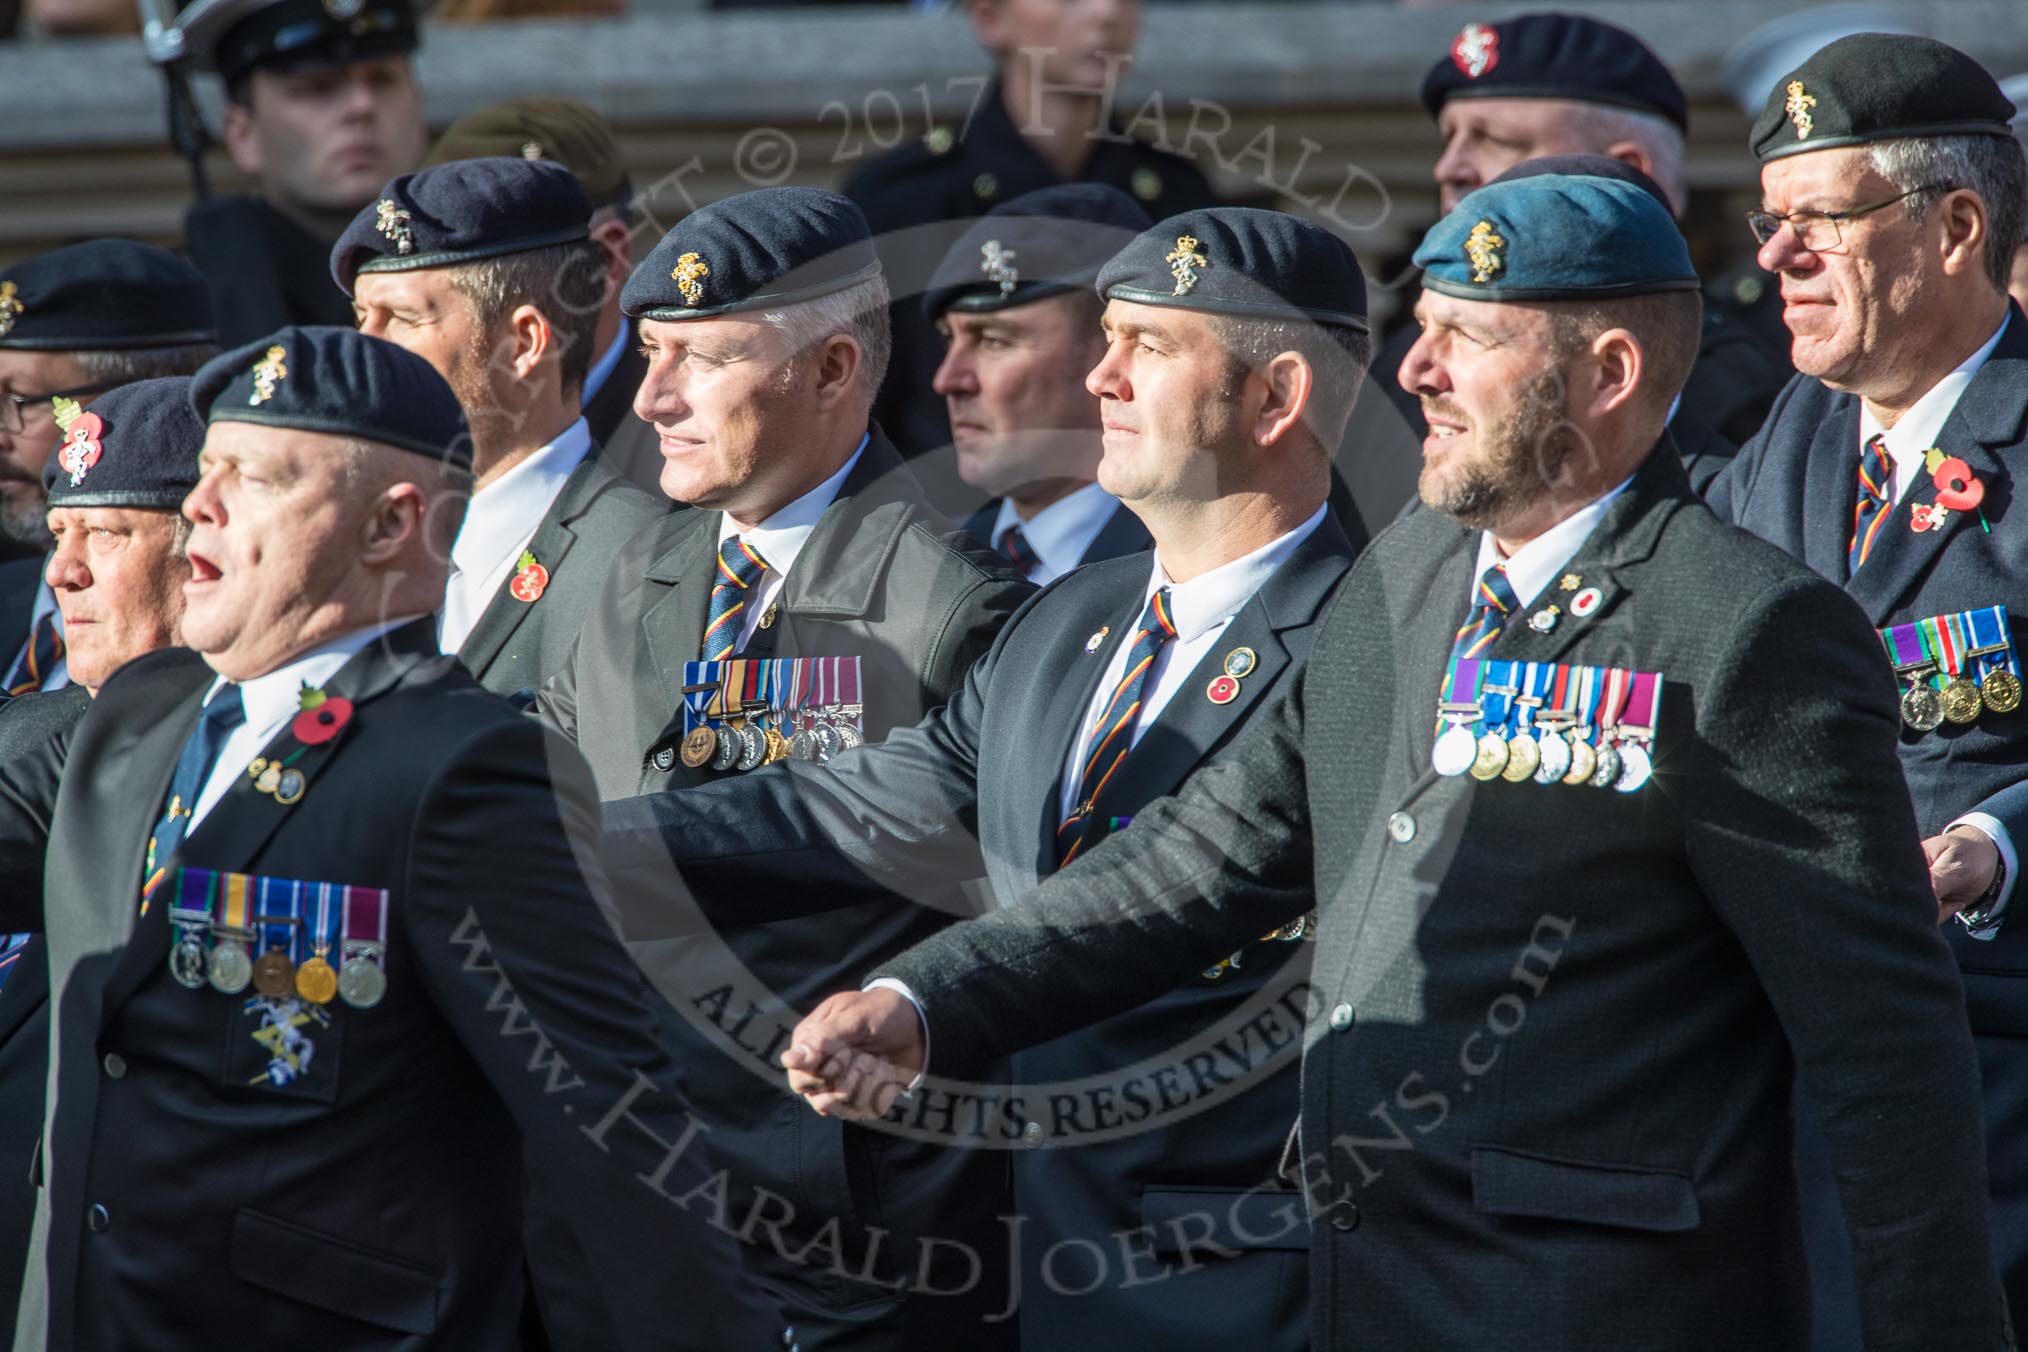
(739,567)
(1114,731)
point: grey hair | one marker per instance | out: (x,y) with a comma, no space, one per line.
(1659,139)
(567,282)
(859,312)
(1991,166)
(125,365)
(1336,354)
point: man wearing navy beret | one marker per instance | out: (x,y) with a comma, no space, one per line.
(1567,84)
(292,884)
(1565,975)
(74,323)
(486,268)
(810,592)
(1893,192)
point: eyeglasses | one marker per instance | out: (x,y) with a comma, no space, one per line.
(1818,231)
(14,407)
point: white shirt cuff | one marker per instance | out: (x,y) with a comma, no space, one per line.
(888,983)
(1997,832)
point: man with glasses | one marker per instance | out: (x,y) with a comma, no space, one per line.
(1892,194)
(74,323)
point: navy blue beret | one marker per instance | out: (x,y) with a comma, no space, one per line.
(323,379)
(1241,261)
(1878,87)
(462,212)
(753,251)
(1555,56)
(1039,244)
(104,294)
(134,447)
(234,37)
(1556,237)
(1589,166)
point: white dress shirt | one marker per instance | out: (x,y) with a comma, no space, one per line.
(45,604)
(272,701)
(1530,568)
(781,537)
(499,522)
(1060,533)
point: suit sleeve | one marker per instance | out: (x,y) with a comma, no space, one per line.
(556,701)
(1195,877)
(29,779)
(504,912)
(974,621)
(1800,829)
(1729,489)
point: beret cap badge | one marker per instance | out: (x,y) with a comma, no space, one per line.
(392,221)
(1183,261)
(996,260)
(1482,248)
(1800,101)
(1476,50)
(267,371)
(688,274)
(82,446)
(11,307)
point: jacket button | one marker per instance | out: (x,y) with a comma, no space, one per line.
(1031,1135)
(100,1219)
(116,1066)
(1402,827)
(1345,1216)
(1341,1018)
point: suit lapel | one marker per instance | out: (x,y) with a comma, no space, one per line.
(1829,489)
(1063,715)
(550,544)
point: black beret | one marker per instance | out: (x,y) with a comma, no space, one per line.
(1555,56)
(1241,261)
(753,251)
(134,447)
(542,127)
(1588,166)
(101,295)
(1040,244)
(462,212)
(1879,87)
(322,379)
(234,37)
(1556,237)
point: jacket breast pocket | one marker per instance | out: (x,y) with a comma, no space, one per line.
(1515,1183)
(334,1274)
(283,1046)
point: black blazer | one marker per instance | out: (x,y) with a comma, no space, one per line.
(20,581)
(1121,535)
(1551,1062)
(375,1202)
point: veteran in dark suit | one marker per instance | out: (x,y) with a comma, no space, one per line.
(1104,693)
(368,954)
(765,319)
(1893,191)
(1558,1014)
(486,268)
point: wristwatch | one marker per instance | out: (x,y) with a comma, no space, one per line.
(1980,914)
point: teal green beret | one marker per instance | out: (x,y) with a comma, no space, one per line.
(1556,237)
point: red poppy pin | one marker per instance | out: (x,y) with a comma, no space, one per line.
(1957,490)
(82,446)
(321,718)
(530,578)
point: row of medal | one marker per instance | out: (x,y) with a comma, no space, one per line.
(1547,723)
(1957,667)
(745,713)
(235,930)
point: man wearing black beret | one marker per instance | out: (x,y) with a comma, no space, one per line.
(485,267)
(292,884)
(1893,193)
(74,323)
(1567,84)
(322,107)
(1564,977)
(811,595)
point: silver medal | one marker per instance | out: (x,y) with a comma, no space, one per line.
(361,983)
(1555,757)
(1635,767)
(231,969)
(1608,772)
(188,962)
(729,747)
(753,748)
(1454,751)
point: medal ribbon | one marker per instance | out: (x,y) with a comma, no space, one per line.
(1904,646)
(1587,702)
(697,703)
(1618,684)
(201,882)
(321,938)
(848,681)
(276,931)
(234,920)
(1991,639)
(1536,678)
(1949,652)
(1644,706)
(366,918)
(1560,696)
(1496,696)
(1463,684)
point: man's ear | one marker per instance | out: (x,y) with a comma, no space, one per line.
(1614,374)
(392,525)
(616,244)
(837,369)
(529,341)
(1962,218)
(989,25)
(242,139)
(1289,382)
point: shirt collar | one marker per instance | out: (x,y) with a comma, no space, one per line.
(507,511)
(1060,533)
(1917,430)
(277,696)
(1530,567)
(595,379)
(1210,599)
(782,536)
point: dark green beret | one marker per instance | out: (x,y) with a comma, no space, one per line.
(236,37)
(134,447)
(542,127)
(1040,244)
(102,295)
(1879,87)
(753,251)
(462,212)
(1556,237)
(1241,261)
(338,381)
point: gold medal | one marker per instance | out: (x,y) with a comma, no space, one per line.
(273,974)
(2001,691)
(1491,758)
(778,747)
(1960,698)
(316,982)
(700,744)
(1583,760)
(1524,757)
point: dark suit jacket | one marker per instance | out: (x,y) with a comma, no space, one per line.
(20,580)
(1552,1060)
(883,579)
(628,447)
(372,1204)
(516,644)
(975,789)
(1121,535)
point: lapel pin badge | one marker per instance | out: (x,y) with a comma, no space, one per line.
(1585,602)
(1224,689)
(1240,662)
(768,616)
(530,579)
(1571,582)
(1542,621)
(1091,645)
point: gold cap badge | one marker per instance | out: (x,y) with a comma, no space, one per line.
(392,221)
(1183,261)
(11,307)
(266,372)
(1483,247)
(688,274)
(997,262)
(1798,108)
(531,150)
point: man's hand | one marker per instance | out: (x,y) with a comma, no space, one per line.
(856,1053)
(1962,862)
